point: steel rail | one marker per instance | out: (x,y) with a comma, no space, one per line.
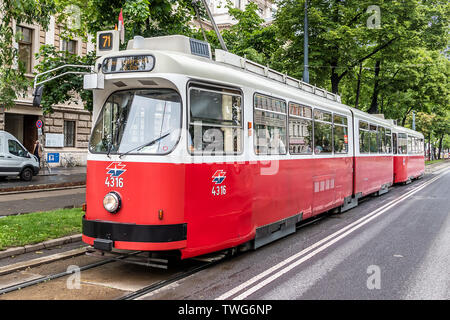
(158,285)
(33,282)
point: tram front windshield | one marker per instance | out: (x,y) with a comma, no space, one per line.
(131,120)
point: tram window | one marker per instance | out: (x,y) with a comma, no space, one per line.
(373,139)
(388,141)
(131,119)
(300,129)
(270,125)
(323,132)
(364,137)
(402,143)
(410,150)
(381,140)
(215,126)
(340,135)
(416,146)
(421,146)
(363,125)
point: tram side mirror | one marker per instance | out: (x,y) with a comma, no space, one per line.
(37,96)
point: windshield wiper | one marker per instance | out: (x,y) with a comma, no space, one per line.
(109,149)
(144,145)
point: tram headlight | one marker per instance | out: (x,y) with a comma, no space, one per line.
(112,202)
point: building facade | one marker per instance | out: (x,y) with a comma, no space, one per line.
(266,10)
(65,133)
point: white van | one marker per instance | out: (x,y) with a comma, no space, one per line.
(15,160)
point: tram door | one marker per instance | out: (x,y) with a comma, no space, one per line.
(394,143)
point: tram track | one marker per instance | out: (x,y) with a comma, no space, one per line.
(186,270)
(33,282)
(161,284)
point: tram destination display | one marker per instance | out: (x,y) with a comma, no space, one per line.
(128,64)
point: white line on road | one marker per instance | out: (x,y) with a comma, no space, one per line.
(290,263)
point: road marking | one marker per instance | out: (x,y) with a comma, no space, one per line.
(292,262)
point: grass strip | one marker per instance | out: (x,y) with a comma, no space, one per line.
(37,227)
(434,161)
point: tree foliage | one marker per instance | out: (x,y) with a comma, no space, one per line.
(66,89)
(141,17)
(13,81)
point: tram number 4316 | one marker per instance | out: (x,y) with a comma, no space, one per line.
(114,182)
(219,190)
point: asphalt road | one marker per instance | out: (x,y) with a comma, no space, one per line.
(395,246)
(11,204)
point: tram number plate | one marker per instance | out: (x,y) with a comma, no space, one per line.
(219,190)
(114,182)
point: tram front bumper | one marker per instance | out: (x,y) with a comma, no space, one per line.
(134,236)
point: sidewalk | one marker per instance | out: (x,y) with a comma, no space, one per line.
(59,177)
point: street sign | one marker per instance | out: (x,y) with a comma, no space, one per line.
(39,124)
(53,157)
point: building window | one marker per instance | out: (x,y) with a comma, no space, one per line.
(69,133)
(25,42)
(215,124)
(69,46)
(270,125)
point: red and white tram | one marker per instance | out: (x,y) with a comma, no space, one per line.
(409,159)
(194,155)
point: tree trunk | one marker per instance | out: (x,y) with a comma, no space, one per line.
(374,105)
(334,78)
(440,146)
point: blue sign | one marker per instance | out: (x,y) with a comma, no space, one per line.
(39,124)
(53,157)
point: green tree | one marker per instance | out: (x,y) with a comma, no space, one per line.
(249,36)
(342,36)
(141,17)
(13,81)
(64,89)
(147,18)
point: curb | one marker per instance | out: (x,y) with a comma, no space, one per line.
(40,261)
(42,186)
(53,188)
(39,246)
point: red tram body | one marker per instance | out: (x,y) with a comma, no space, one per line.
(283,151)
